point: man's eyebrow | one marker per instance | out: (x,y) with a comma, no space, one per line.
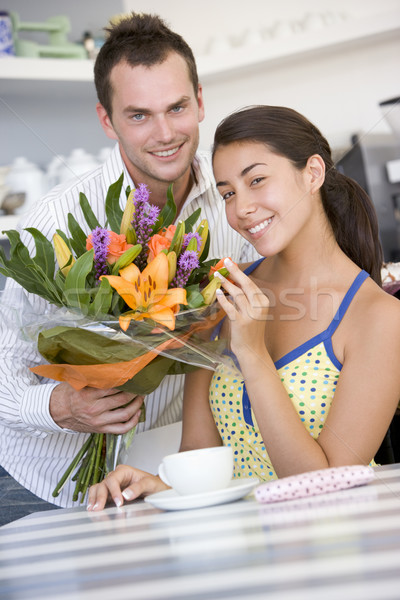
(242,174)
(146,111)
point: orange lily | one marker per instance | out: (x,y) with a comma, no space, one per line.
(147,293)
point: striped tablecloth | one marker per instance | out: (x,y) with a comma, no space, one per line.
(339,546)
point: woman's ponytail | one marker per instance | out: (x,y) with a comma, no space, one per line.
(353,220)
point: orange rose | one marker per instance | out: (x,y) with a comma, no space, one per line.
(160,241)
(116,247)
(169,232)
(156,244)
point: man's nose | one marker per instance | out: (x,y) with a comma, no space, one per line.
(164,131)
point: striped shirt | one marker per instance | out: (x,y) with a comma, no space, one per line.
(33,448)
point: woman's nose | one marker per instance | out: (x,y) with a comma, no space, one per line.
(245,204)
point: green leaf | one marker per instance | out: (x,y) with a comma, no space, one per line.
(78,240)
(25,271)
(17,248)
(59,280)
(89,215)
(102,300)
(168,213)
(113,210)
(193,297)
(75,290)
(47,283)
(44,252)
(191,220)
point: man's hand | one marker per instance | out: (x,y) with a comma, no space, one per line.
(92,410)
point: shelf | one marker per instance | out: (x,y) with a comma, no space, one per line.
(349,32)
(46,69)
(235,60)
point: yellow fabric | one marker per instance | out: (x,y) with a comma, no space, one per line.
(310,381)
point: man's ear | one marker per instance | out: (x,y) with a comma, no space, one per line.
(316,172)
(105,122)
(200,102)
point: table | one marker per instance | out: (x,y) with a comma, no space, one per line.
(344,545)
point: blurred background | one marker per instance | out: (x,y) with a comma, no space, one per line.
(336,62)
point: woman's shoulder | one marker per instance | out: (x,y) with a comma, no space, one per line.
(378,309)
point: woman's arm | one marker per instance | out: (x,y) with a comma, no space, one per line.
(365,399)
(198,426)
(198,431)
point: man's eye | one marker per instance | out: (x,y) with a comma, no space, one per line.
(138,117)
(177,109)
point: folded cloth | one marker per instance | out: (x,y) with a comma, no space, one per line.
(313,483)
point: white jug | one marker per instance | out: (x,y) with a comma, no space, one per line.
(53,171)
(77,163)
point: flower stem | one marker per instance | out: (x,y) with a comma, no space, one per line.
(99,452)
(89,470)
(72,466)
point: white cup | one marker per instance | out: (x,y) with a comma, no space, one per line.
(198,471)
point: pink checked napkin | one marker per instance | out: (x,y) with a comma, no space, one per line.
(313,483)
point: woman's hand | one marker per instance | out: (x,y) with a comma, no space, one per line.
(247,310)
(123,483)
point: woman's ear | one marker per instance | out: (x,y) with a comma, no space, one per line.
(315,169)
(105,122)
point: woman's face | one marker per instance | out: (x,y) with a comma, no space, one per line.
(267,200)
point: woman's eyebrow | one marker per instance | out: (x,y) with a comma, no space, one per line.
(243,173)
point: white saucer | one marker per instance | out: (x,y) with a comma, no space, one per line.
(171,500)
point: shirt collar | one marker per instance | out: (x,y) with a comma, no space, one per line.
(114,166)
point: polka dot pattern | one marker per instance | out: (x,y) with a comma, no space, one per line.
(310,381)
(314,483)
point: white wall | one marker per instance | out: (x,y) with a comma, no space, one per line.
(339,90)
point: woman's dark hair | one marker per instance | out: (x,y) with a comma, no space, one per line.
(138,39)
(347,206)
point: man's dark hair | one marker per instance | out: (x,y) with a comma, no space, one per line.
(138,39)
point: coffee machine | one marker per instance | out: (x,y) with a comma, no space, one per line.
(374,162)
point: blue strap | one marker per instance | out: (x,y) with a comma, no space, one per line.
(344,305)
(253,266)
(327,334)
(247,407)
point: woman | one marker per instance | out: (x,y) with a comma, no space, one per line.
(316,339)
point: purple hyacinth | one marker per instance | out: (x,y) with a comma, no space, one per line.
(100,242)
(144,217)
(186,263)
(189,236)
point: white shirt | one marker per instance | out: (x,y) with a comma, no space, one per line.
(33,448)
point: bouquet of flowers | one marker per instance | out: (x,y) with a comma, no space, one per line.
(133,300)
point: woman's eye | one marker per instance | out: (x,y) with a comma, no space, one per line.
(227,195)
(257,180)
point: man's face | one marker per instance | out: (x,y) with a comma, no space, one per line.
(155,117)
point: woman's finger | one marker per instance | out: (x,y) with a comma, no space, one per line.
(144,487)
(97,497)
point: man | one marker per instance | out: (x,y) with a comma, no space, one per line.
(151,103)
